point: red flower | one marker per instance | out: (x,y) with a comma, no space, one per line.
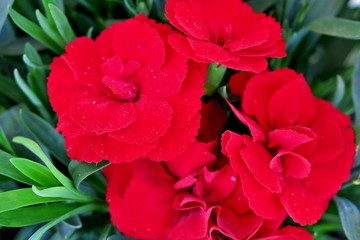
(127,95)
(226,32)
(181,199)
(300,150)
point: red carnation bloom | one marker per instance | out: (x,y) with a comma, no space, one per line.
(127,95)
(182,199)
(300,150)
(228,32)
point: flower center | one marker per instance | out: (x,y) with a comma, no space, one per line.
(122,90)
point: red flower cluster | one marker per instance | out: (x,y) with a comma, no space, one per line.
(226,32)
(126,95)
(299,151)
(133,97)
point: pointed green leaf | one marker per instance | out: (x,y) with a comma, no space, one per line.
(339,91)
(336,27)
(31,95)
(7,169)
(37,172)
(46,135)
(350,217)
(37,214)
(21,198)
(34,31)
(61,192)
(5,142)
(80,170)
(35,148)
(51,31)
(9,89)
(62,23)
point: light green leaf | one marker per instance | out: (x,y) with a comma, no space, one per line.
(50,30)
(31,95)
(21,198)
(62,23)
(46,135)
(7,169)
(36,214)
(350,217)
(339,91)
(34,31)
(35,148)
(80,170)
(62,192)
(83,209)
(336,27)
(37,172)
(214,78)
(5,142)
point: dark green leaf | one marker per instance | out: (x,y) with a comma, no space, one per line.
(336,27)
(44,133)
(82,209)
(9,88)
(67,227)
(350,217)
(37,172)
(34,31)
(21,198)
(261,5)
(339,91)
(80,170)
(5,142)
(33,215)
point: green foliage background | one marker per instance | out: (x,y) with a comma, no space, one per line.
(44,195)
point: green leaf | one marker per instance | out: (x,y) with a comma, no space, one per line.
(4,6)
(34,31)
(7,169)
(214,78)
(339,91)
(5,142)
(80,170)
(336,27)
(261,5)
(62,23)
(350,217)
(9,89)
(44,133)
(63,192)
(51,31)
(37,214)
(35,171)
(31,95)
(83,209)
(21,198)
(356,91)
(35,148)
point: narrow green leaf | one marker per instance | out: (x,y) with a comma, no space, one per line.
(35,148)
(31,95)
(261,5)
(9,89)
(350,217)
(50,30)
(4,6)
(8,170)
(336,27)
(339,91)
(80,170)
(21,198)
(356,91)
(44,133)
(83,209)
(5,142)
(37,172)
(62,23)
(37,214)
(61,192)
(34,31)
(33,56)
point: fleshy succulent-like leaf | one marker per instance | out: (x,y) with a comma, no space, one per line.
(350,217)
